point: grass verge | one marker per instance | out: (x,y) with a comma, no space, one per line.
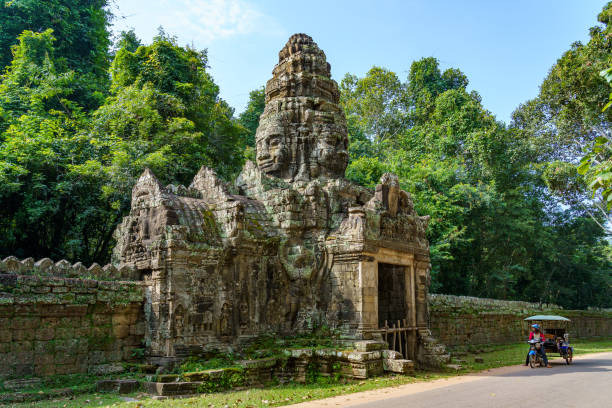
(493,356)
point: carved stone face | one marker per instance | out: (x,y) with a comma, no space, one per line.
(331,150)
(271,144)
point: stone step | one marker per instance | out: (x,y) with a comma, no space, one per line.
(22,383)
(118,386)
(173,388)
(370,345)
(400,366)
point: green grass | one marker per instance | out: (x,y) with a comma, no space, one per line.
(494,356)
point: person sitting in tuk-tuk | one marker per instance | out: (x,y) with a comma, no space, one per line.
(539,336)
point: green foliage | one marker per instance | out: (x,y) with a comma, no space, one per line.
(48,209)
(80,26)
(596,165)
(221,360)
(495,229)
(569,115)
(313,372)
(67,171)
(249,119)
(128,41)
(138,353)
(230,378)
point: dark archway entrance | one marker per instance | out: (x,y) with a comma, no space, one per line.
(391,294)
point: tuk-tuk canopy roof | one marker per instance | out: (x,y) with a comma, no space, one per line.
(548,317)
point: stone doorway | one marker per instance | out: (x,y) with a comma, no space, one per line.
(392,305)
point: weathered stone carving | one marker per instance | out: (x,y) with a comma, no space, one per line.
(290,245)
(62,268)
(302,132)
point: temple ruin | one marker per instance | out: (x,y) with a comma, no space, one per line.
(290,245)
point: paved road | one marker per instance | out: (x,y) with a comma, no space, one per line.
(586,383)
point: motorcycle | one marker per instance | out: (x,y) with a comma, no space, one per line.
(535,354)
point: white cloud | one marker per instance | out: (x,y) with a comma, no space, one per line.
(209,20)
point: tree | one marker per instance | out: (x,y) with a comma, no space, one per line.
(66,173)
(164,113)
(128,40)
(249,119)
(80,26)
(375,103)
(48,209)
(596,165)
(567,117)
(495,229)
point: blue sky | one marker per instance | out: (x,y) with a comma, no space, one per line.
(504,47)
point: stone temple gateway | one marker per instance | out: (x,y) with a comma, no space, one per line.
(291,245)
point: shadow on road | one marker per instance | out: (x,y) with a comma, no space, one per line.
(559,367)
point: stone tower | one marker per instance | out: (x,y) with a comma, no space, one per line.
(289,245)
(302,132)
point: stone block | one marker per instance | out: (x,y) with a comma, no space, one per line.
(118,386)
(257,364)
(101,319)
(6,309)
(22,383)
(399,366)
(43,359)
(25,357)
(137,329)
(49,322)
(96,357)
(43,265)
(25,322)
(6,335)
(121,331)
(106,369)
(204,375)
(41,289)
(122,319)
(370,345)
(53,311)
(24,334)
(64,333)
(454,367)
(391,354)
(23,370)
(300,353)
(167,378)
(174,388)
(45,370)
(21,346)
(362,370)
(361,356)
(325,353)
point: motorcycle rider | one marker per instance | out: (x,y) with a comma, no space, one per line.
(537,335)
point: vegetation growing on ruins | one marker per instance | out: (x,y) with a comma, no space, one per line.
(511,215)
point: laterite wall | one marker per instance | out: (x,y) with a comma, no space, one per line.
(462,320)
(60,325)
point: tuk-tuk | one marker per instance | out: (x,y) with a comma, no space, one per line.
(556,336)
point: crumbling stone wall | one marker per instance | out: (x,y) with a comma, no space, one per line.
(52,322)
(462,320)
